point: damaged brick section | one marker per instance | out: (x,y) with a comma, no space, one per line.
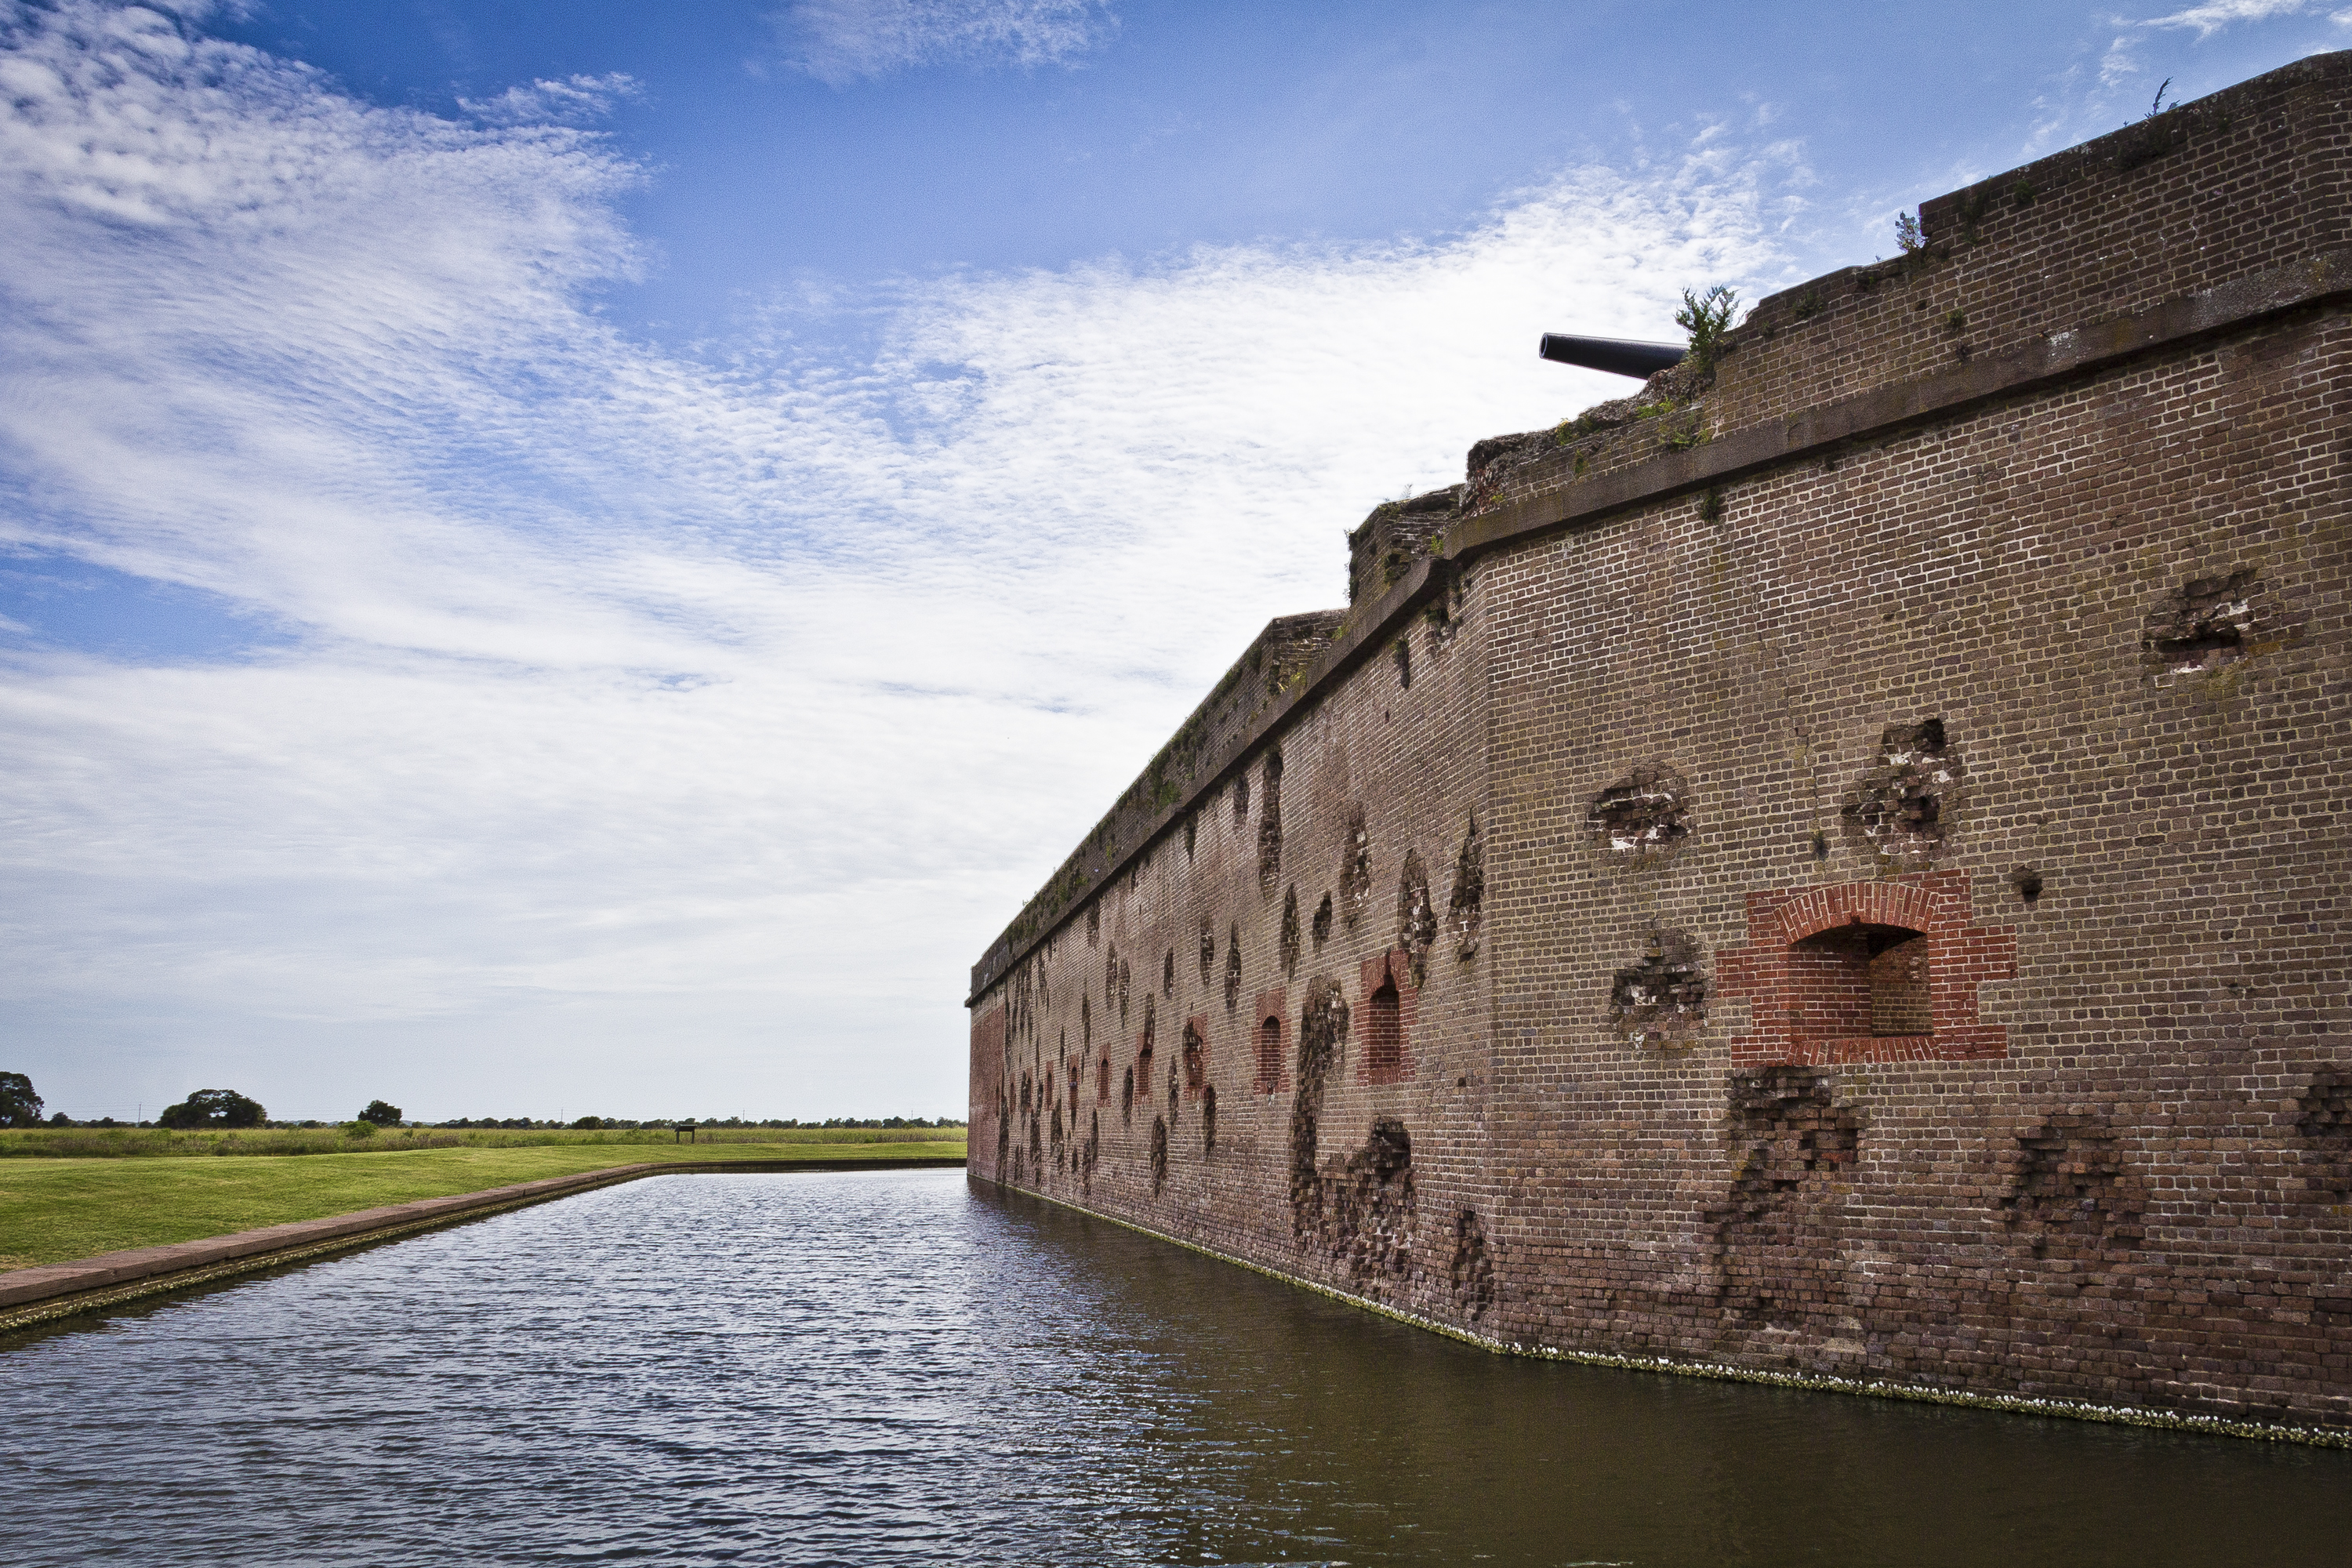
(1662,1000)
(1643,817)
(1269,825)
(1355,869)
(1904,807)
(1322,1030)
(1794,1149)
(1471,1271)
(1466,907)
(2069,1195)
(1368,1209)
(1357,1209)
(1234,968)
(2323,1124)
(2209,622)
(1416,916)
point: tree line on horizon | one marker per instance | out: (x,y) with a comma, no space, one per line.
(226,1109)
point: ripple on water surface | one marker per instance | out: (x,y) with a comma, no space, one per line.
(887,1367)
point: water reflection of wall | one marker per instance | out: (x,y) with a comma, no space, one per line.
(1832,868)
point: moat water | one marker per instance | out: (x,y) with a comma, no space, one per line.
(894,1367)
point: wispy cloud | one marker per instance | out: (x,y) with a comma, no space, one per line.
(647,721)
(2083,102)
(575,100)
(2215,14)
(842,41)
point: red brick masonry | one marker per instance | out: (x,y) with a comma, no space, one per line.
(1787,996)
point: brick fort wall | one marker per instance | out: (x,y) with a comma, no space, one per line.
(1832,865)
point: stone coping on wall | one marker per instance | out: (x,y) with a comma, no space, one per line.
(2319,281)
(57,1290)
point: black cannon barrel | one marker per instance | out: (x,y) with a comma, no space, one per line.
(1621,356)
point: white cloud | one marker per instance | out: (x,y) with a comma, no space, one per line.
(2215,14)
(659,733)
(845,40)
(575,100)
(2119,62)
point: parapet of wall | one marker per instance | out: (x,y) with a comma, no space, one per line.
(2206,192)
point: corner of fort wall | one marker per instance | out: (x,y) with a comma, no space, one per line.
(1833,869)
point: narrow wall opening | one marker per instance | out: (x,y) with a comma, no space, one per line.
(1863,979)
(1269,1054)
(1384,1033)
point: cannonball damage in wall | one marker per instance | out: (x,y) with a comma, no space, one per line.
(1661,1000)
(1355,869)
(1290,942)
(1471,1270)
(1233,968)
(2209,622)
(1322,1028)
(1643,817)
(1466,907)
(1322,925)
(1208,953)
(1416,916)
(1905,806)
(1269,825)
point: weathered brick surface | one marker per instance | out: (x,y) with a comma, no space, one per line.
(1881,917)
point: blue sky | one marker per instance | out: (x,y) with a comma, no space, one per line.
(587,557)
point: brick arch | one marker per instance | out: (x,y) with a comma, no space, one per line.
(1269,1044)
(1383,1059)
(1818,909)
(1961,957)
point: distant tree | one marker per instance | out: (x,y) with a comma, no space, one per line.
(590,1123)
(214,1108)
(19,1106)
(61,1119)
(383,1113)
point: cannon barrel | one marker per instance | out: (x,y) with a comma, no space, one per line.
(1621,356)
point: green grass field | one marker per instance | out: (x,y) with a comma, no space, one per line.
(55,1210)
(144,1142)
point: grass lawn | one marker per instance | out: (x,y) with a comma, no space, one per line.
(55,1210)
